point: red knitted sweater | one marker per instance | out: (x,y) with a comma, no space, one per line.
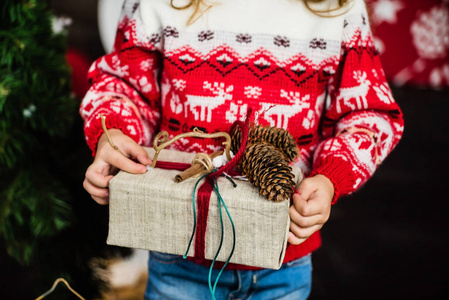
(320,78)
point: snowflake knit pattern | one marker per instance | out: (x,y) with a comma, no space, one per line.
(319,78)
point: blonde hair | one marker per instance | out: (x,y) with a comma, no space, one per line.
(331,12)
(200,7)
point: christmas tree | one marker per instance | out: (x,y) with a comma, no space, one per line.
(36,111)
(46,218)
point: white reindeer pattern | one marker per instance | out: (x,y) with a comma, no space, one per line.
(206,104)
(176,104)
(358,93)
(285,112)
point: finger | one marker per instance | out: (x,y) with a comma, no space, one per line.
(305,207)
(98,179)
(123,163)
(100,195)
(144,159)
(304,222)
(303,233)
(292,239)
(306,188)
(138,152)
(94,190)
(101,201)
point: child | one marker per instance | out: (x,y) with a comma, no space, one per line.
(310,68)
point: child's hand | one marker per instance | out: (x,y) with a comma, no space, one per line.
(108,161)
(311,208)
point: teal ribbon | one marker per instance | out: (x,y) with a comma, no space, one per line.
(194,215)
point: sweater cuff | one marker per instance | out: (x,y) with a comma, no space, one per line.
(339,173)
(94,129)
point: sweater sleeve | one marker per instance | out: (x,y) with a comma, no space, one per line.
(362,123)
(124,85)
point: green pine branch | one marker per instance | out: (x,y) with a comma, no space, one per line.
(33,208)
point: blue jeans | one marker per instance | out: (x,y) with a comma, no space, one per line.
(172,277)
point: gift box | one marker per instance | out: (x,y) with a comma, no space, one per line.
(152,211)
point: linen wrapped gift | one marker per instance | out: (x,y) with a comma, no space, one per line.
(151,211)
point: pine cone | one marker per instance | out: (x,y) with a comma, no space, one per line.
(236,139)
(278,137)
(266,167)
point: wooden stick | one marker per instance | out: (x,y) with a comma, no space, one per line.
(197,168)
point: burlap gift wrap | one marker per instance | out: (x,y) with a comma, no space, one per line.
(151,211)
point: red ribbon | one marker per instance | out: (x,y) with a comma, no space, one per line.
(168,165)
